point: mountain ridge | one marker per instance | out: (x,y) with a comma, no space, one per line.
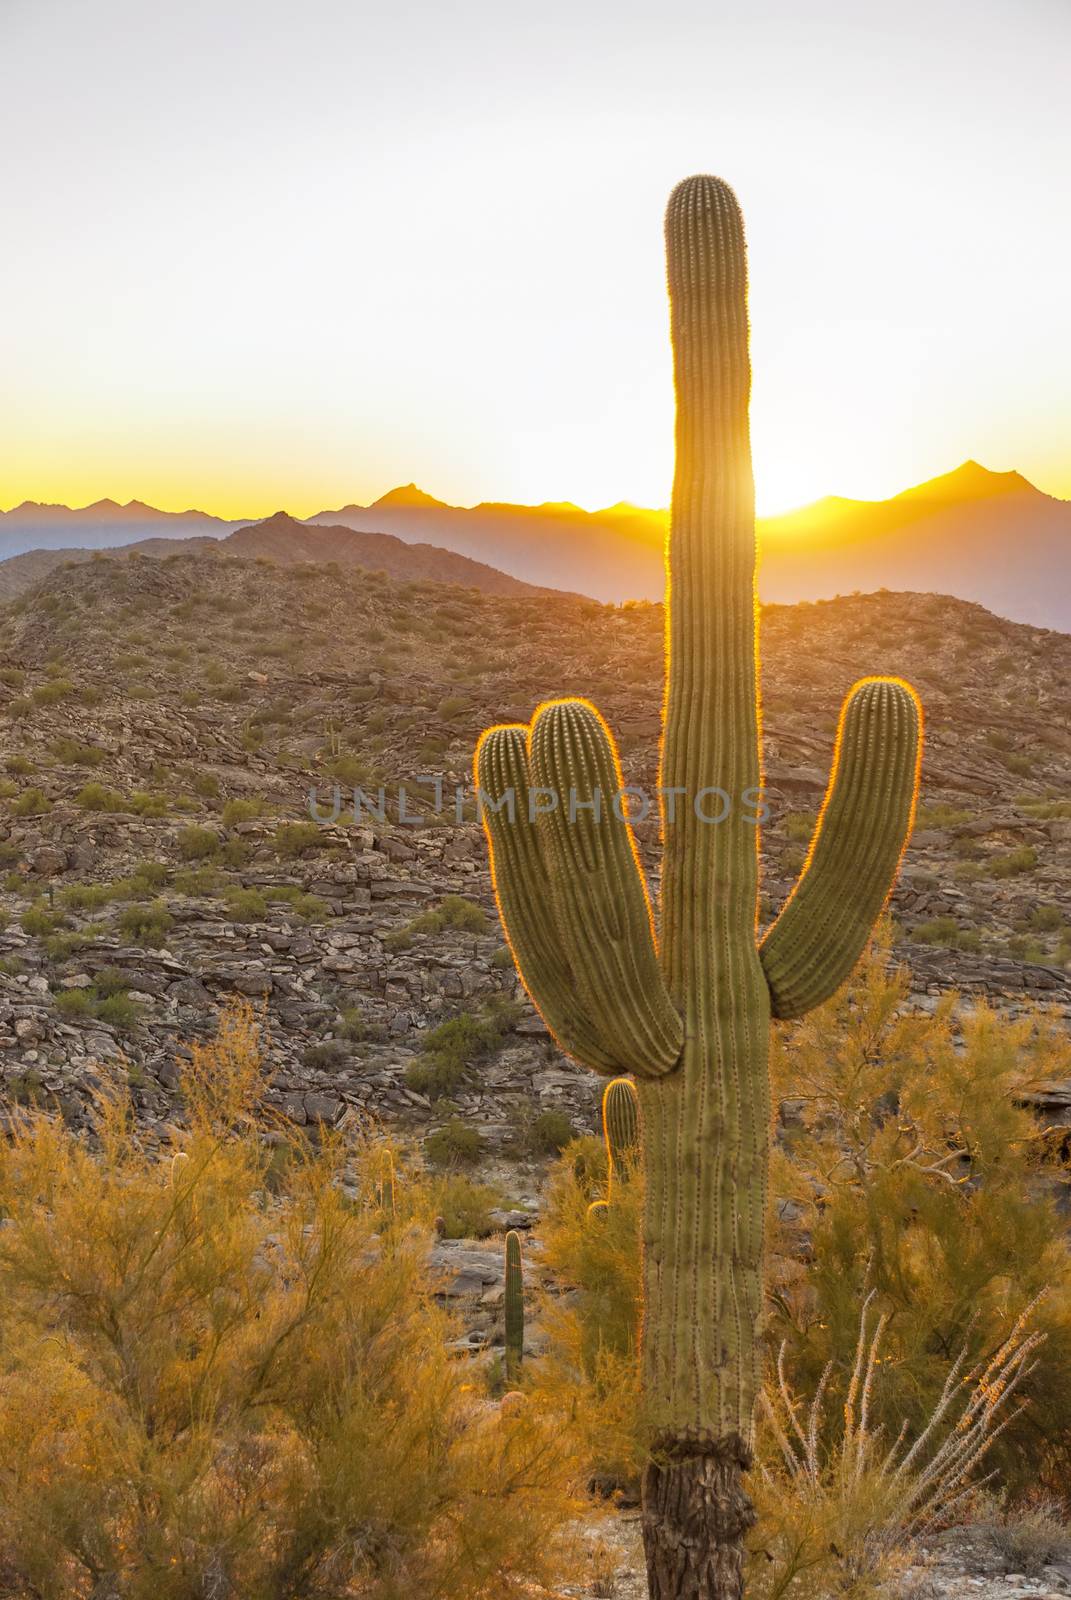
(990,537)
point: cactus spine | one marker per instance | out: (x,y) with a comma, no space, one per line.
(689,1015)
(620,1128)
(513,1306)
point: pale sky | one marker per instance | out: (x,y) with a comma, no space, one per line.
(264,253)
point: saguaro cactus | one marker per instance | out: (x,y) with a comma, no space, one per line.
(513,1307)
(689,1015)
(620,1128)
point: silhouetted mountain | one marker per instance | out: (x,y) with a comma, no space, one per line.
(36,526)
(986,536)
(285,541)
(991,537)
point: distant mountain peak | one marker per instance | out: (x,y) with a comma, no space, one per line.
(969,481)
(409,497)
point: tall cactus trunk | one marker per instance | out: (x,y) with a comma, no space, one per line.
(689,1016)
(706,1129)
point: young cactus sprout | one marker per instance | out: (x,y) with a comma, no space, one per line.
(513,1306)
(621,1129)
(687,1010)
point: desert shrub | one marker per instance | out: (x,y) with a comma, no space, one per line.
(31,803)
(38,921)
(235,811)
(593,1353)
(310,907)
(1028,1539)
(93,896)
(463,1207)
(200,881)
(453,911)
(799,826)
(145,804)
(19,766)
(454,1145)
(840,1502)
(331,1053)
(453,1047)
(296,838)
(551,1131)
(908,1162)
(49,694)
(98,797)
(1024,859)
(74,754)
(74,1003)
(946,931)
(196,843)
(246,905)
(146,923)
(502,960)
(940,816)
(153,874)
(351,1025)
(19,708)
(196,1375)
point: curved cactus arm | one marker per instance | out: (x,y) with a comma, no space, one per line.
(598,890)
(524,897)
(865,823)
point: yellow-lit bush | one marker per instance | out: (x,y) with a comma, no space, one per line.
(592,1367)
(210,1385)
(916,1172)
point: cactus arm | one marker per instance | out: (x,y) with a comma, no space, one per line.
(523,893)
(864,825)
(620,1129)
(600,900)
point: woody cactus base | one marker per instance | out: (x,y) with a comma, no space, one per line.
(687,1014)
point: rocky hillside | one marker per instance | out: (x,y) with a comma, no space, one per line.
(163,723)
(284,540)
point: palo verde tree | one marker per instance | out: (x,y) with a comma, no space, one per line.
(686,1011)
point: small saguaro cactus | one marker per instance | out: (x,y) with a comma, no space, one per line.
(620,1128)
(513,1307)
(687,1012)
(385,1187)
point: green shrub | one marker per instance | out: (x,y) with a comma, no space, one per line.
(451,1048)
(946,931)
(465,1207)
(74,754)
(551,1132)
(97,797)
(246,905)
(235,811)
(453,1145)
(307,906)
(453,911)
(1024,859)
(31,803)
(74,1003)
(19,766)
(49,694)
(146,924)
(196,843)
(19,708)
(297,838)
(38,921)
